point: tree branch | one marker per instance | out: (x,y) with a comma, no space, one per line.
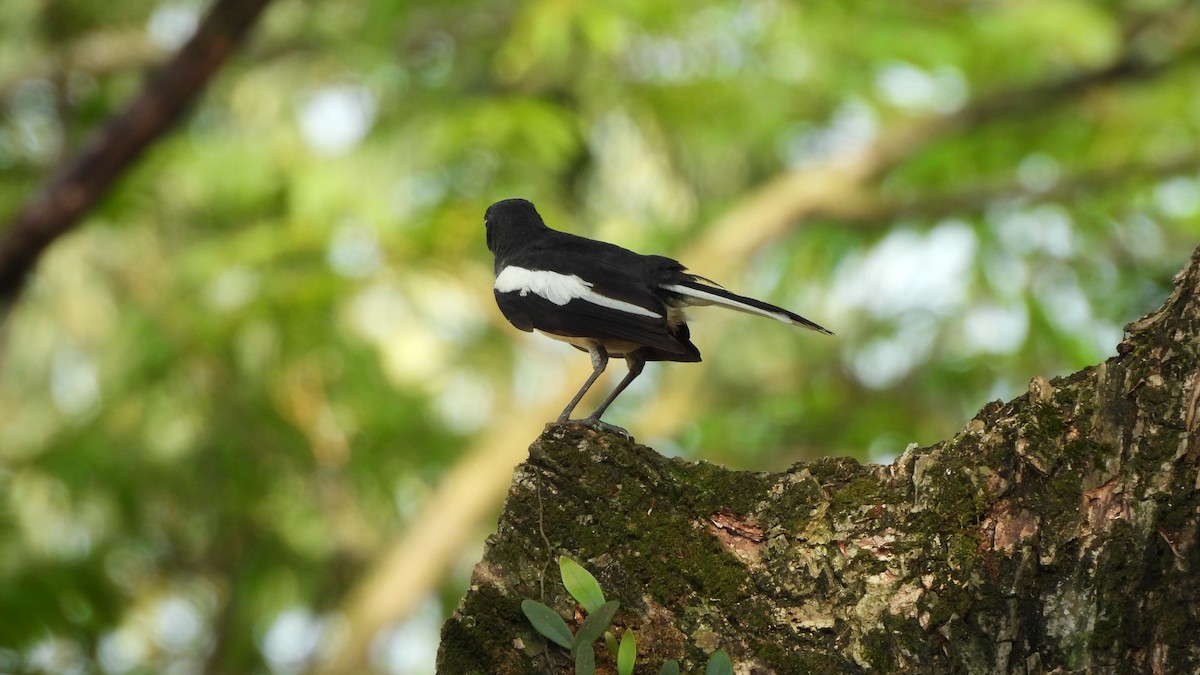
(1055,533)
(84,178)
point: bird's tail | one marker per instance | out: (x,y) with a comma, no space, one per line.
(695,292)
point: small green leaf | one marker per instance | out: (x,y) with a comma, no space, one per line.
(596,623)
(585,660)
(610,642)
(669,668)
(627,654)
(547,622)
(581,584)
(719,663)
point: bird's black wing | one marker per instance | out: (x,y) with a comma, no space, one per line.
(585,292)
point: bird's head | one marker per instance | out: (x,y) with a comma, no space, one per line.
(509,223)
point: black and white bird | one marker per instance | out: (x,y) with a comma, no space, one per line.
(601,298)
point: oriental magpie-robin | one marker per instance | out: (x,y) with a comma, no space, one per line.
(601,298)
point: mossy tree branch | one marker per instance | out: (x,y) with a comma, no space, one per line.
(1056,532)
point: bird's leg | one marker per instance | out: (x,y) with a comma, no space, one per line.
(599,363)
(635,362)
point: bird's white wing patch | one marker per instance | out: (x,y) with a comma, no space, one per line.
(561,289)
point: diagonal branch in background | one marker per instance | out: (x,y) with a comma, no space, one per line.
(663,417)
(977,198)
(838,188)
(85,177)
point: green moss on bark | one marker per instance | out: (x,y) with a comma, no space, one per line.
(1056,531)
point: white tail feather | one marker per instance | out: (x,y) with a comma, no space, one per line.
(701,297)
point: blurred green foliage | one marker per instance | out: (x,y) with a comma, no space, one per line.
(245,372)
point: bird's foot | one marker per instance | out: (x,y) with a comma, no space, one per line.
(596,424)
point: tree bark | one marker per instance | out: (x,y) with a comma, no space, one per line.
(1055,533)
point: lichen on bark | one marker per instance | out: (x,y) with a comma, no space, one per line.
(1056,531)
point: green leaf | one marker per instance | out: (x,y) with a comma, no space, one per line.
(585,660)
(669,668)
(547,622)
(581,584)
(719,664)
(610,642)
(627,654)
(596,623)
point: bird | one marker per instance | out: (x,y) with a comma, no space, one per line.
(601,298)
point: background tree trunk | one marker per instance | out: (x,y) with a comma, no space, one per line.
(1056,532)
(85,177)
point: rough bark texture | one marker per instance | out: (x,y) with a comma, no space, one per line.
(1055,533)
